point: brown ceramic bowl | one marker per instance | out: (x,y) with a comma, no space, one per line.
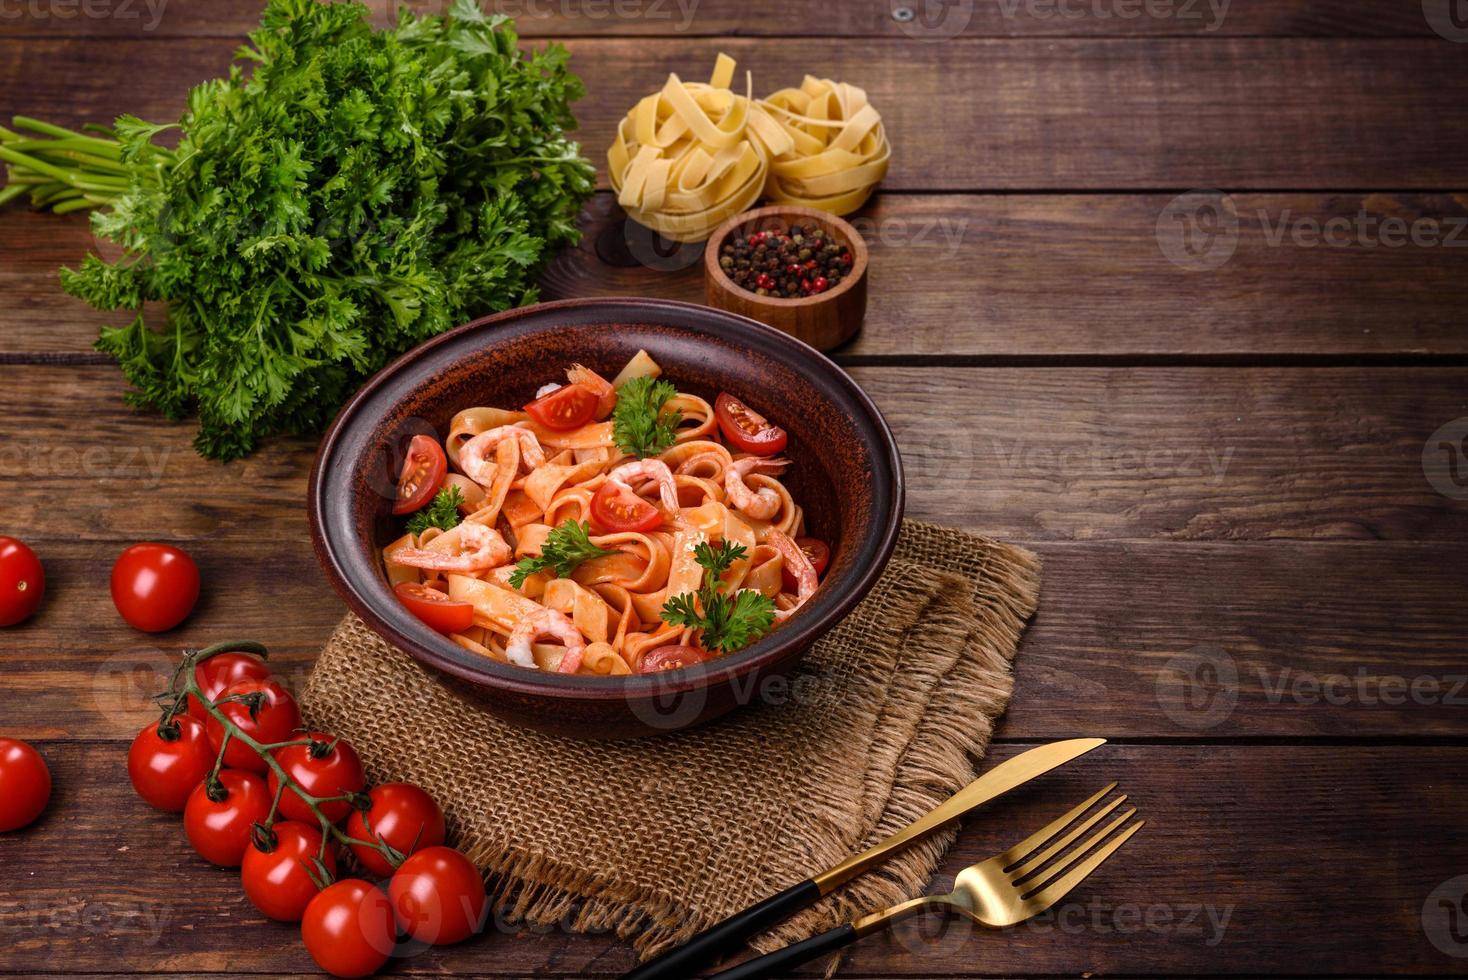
(847,475)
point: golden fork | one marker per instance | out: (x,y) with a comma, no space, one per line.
(1004,890)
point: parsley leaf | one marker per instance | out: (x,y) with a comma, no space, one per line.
(565,547)
(442,512)
(726,622)
(639,424)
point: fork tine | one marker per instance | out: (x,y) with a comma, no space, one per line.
(1056,889)
(1019,851)
(1030,866)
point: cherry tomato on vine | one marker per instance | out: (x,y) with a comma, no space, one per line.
(154,586)
(746,428)
(25,784)
(22,581)
(438,896)
(423,473)
(278,881)
(670,658)
(568,407)
(401,814)
(819,555)
(435,608)
(326,767)
(166,762)
(618,510)
(349,929)
(220,829)
(277,721)
(220,671)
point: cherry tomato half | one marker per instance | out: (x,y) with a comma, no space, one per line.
(25,784)
(349,929)
(154,586)
(278,881)
(165,764)
(746,428)
(222,670)
(423,473)
(438,896)
(819,555)
(220,829)
(670,658)
(618,510)
(400,814)
(326,767)
(435,608)
(277,720)
(22,581)
(568,407)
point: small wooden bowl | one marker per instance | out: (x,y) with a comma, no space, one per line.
(825,320)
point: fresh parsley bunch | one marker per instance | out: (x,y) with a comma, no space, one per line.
(726,622)
(351,194)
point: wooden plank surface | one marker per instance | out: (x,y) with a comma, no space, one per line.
(1073,114)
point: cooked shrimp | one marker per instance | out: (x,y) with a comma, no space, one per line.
(762,504)
(480,548)
(474,457)
(799,564)
(649,469)
(606,395)
(546,622)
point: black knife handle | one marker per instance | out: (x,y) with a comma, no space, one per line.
(717,941)
(775,964)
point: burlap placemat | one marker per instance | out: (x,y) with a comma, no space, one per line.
(658,839)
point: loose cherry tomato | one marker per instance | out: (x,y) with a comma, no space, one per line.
(349,929)
(220,829)
(166,762)
(222,670)
(618,510)
(423,473)
(22,581)
(278,881)
(435,608)
(438,896)
(25,784)
(568,407)
(671,658)
(819,555)
(154,586)
(746,428)
(277,720)
(400,814)
(326,767)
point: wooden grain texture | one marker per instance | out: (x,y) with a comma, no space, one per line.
(1036,114)
(1222,874)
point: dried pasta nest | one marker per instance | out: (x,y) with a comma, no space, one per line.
(692,155)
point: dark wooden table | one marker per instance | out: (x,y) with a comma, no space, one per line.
(1229,422)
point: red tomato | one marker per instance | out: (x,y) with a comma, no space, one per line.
(154,586)
(326,767)
(438,896)
(618,510)
(435,608)
(278,881)
(22,581)
(670,658)
(349,929)
(423,473)
(222,670)
(819,555)
(165,768)
(746,428)
(568,407)
(401,814)
(277,721)
(25,784)
(220,829)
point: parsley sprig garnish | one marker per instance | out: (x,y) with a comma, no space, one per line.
(726,622)
(443,512)
(639,424)
(565,547)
